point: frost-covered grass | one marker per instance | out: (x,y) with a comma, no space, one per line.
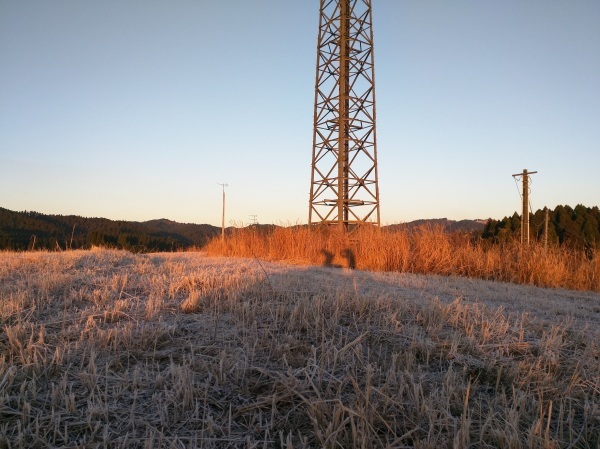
(110,349)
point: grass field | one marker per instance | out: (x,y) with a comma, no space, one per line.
(110,349)
(424,250)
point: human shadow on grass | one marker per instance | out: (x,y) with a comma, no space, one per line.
(346,253)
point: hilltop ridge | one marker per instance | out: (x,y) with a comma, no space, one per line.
(579,226)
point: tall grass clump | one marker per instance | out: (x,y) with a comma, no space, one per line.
(424,250)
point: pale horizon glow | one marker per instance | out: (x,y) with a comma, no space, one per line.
(138,110)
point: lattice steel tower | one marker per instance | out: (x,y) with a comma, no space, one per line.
(344,188)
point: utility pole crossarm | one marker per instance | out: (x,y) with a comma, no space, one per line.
(525,172)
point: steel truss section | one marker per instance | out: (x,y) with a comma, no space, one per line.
(344,185)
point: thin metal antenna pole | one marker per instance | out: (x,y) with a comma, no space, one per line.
(223,214)
(72,234)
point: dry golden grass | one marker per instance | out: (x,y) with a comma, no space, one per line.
(427,250)
(105,349)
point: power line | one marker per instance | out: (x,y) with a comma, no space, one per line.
(517,185)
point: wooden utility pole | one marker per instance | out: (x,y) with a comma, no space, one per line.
(223,214)
(546,230)
(525,216)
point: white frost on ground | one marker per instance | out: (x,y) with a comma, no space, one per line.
(545,304)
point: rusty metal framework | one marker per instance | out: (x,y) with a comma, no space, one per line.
(344,186)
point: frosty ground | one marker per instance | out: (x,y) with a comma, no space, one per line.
(111,349)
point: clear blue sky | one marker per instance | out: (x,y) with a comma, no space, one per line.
(134,110)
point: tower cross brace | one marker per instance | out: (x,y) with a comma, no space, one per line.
(344,180)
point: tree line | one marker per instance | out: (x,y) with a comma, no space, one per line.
(32,230)
(577,227)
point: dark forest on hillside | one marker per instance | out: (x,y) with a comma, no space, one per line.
(577,227)
(32,230)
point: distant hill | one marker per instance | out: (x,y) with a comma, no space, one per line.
(26,230)
(448,225)
(577,227)
(23,230)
